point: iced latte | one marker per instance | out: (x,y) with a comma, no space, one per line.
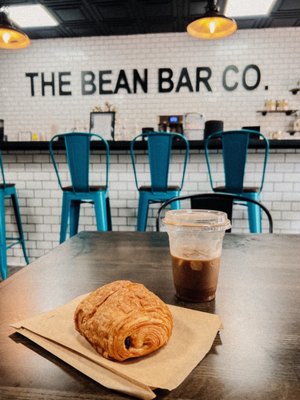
(196,238)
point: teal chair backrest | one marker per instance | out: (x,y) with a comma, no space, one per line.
(235,149)
(159,156)
(78,149)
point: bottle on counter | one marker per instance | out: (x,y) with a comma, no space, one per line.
(35,137)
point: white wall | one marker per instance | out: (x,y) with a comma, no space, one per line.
(275,51)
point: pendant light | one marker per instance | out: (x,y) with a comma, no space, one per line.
(212,24)
(11,36)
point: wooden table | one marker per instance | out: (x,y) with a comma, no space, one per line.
(255,357)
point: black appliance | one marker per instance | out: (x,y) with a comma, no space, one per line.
(145,130)
(170,123)
(212,126)
(1,130)
(252,128)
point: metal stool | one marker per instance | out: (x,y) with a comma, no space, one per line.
(77,147)
(8,190)
(159,155)
(235,146)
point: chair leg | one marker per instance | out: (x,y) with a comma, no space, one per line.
(100,211)
(3,256)
(64,218)
(74,216)
(254,218)
(175,205)
(15,204)
(254,215)
(142,212)
(108,213)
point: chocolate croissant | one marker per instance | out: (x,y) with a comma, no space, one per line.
(123,320)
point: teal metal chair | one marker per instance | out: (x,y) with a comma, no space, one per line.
(159,145)
(235,145)
(78,148)
(8,191)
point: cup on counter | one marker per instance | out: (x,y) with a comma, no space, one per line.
(24,136)
(276,135)
(196,240)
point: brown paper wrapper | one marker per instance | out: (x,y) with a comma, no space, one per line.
(192,338)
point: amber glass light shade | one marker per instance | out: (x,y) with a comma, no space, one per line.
(11,36)
(212,25)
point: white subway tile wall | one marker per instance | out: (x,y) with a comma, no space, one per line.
(275,51)
(40,196)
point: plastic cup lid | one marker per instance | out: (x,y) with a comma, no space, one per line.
(206,220)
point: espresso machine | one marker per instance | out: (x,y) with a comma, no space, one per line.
(170,123)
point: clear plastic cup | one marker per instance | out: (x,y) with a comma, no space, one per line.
(196,239)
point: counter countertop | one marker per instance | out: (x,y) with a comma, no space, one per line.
(124,145)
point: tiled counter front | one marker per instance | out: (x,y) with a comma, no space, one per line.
(40,195)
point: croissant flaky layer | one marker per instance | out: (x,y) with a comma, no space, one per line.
(123,320)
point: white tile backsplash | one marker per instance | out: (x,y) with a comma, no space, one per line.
(41,208)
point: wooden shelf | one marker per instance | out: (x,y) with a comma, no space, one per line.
(287,112)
